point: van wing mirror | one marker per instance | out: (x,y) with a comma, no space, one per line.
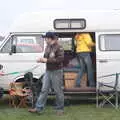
(13,49)
(1,67)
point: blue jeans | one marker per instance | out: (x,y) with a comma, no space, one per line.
(51,79)
(85,62)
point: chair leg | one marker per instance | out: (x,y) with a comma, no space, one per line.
(22,102)
(97,99)
(12,101)
(116,101)
(108,98)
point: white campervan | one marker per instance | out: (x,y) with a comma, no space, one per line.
(25,44)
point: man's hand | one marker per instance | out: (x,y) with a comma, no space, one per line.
(42,60)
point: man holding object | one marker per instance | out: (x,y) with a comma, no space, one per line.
(53,57)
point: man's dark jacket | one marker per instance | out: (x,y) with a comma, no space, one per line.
(55,56)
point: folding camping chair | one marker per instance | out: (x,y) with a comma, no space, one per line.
(18,94)
(108,95)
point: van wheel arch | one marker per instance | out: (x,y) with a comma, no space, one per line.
(36,82)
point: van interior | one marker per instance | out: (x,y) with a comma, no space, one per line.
(72,66)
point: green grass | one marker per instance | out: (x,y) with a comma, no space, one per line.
(73,112)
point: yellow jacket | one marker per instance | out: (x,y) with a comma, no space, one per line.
(83,42)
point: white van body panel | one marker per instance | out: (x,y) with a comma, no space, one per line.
(43,21)
(17,65)
(107,61)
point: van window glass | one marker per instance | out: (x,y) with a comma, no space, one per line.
(28,44)
(7,47)
(110,42)
(66,43)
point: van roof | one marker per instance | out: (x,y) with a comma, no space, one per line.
(43,21)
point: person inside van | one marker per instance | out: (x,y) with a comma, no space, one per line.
(84,44)
(53,78)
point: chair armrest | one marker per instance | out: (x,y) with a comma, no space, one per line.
(100,84)
(108,86)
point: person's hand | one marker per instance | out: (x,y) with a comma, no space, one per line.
(42,60)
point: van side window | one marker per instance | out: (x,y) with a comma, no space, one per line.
(7,47)
(110,42)
(29,44)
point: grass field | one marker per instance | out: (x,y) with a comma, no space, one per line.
(72,112)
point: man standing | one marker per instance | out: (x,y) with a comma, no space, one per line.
(84,46)
(53,57)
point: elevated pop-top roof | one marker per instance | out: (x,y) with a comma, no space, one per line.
(43,21)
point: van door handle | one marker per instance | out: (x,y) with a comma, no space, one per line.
(103,61)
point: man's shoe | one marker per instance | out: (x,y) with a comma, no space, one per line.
(59,112)
(33,110)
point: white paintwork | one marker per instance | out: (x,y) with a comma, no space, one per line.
(0,42)
(43,21)
(110,61)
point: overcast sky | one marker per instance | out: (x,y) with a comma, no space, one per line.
(10,9)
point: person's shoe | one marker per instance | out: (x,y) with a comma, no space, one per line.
(59,112)
(34,110)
